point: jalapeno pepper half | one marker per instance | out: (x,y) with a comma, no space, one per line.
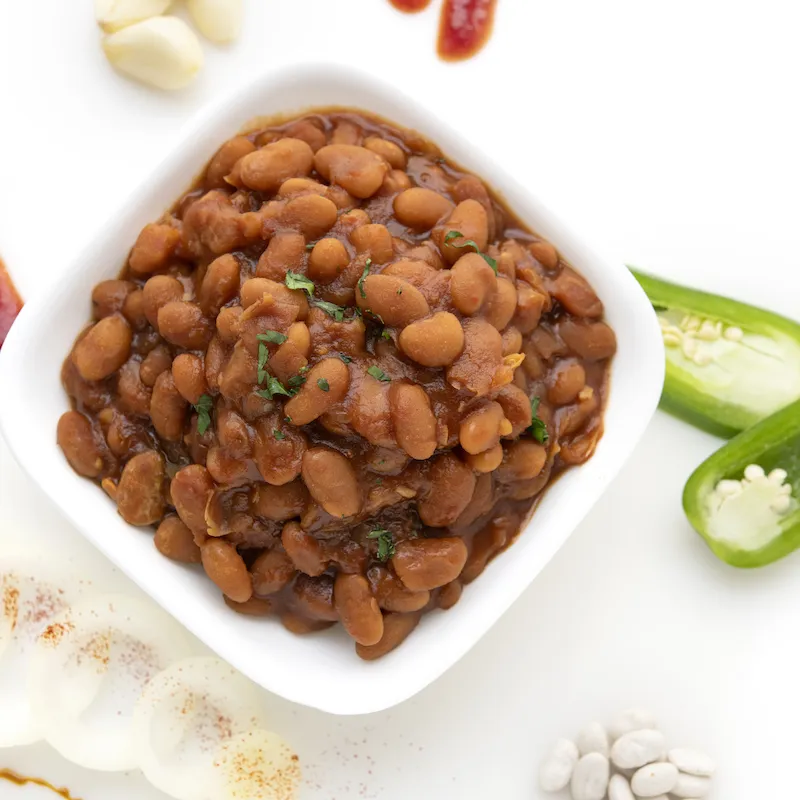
(729,364)
(743,500)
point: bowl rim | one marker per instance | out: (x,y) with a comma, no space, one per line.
(23,335)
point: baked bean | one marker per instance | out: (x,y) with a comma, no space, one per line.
(327,260)
(449,595)
(450,487)
(392,595)
(303,549)
(224,160)
(216,356)
(433,342)
(516,408)
(288,361)
(157,292)
(572,418)
(397,302)
(565,382)
(295,187)
(174,540)
(545,254)
(326,385)
(267,168)
(301,625)
(425,564)
(469,219)
(228,323)
(284,252)
(227,569)
(133,310)
(140,492)
(592,341)
(530,305)
(134,396)
(356,169)
(487,543)
(104,348)
(158,360)
(313,597)
(413,420)
(76,438)
(481,502)
(220,284)
(524,459)
(310,214)
(154,248)
(279,503)
(487,461)
(167,408)
(371,415)
(309,132)
(482,429)
(475,368)
(183,324)
(575,294)
(395,181)
(374,241)
(189,375)
(547,344)
(254,607)
(502,304)
(233,433)
(278,460)
(332,481)
(389,150)
(299,335)
(239,374)
(420,209)
(581,448)
(271,571)
(125,437)
(396,628)
(472,282)
(255,289)
(512,341)
(358,609)
(108,297)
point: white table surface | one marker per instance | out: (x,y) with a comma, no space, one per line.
(668,135)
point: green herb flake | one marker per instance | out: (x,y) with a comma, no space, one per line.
(537,429)
(324,385)
(296,380)
(386,548)
(273,387)
(378,373)
(345,358)
(311,245)
(379,482)
(331,309)
(279,435)
(362,278)
(263,356)
(294,280)
(386,334)
(204,407)
(469,243)
(273,337)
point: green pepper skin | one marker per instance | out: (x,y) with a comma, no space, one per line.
(772,443)
(704,405)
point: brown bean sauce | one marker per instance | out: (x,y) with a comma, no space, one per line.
(10,303)
(22,780)
(407,321)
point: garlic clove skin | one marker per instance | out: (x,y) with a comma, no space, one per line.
(113,15)
(219,21)
(161,51)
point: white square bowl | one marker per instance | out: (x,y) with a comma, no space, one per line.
(321,670)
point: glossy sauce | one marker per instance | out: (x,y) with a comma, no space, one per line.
(21,780)
(10,303)
(410,6)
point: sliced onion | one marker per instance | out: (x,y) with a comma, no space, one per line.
(88,669)
(258,765)
(183,719)
(34,588)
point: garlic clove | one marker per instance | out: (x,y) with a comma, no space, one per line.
(161,51)
(113,15)
(218,20)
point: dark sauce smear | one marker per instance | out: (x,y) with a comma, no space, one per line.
(22,780)
(10,303)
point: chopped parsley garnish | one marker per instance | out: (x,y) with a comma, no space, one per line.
(203,408)
(331,309)
(345,358)
(363,276)
(273,387)
(537,429)
(294,280)
(294,383)
(386,547)
(310,245)
(386,334)
(469,243)
(263,356)
(272,336)
(278,434)
(378,373)
(324,385)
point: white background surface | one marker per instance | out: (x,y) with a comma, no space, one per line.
(668,135)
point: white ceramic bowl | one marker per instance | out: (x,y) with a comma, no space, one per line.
(321,670)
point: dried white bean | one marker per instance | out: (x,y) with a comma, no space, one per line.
(557,766)
(590,778)
(654,779)
(593,739)
(218,20)
(693,762)
(161,51)
(619,789)
(112,15)
(691,786)
(637,748)
(634,719)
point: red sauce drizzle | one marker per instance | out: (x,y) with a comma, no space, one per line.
(465,28)
(21,780)
(410,6)
(10,303)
